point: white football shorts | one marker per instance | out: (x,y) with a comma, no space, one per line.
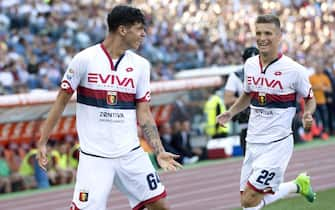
(264,165)
(133,174)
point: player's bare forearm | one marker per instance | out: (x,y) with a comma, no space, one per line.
(150,132)
(148,126)
(241,104)
(310,105)
(54,115)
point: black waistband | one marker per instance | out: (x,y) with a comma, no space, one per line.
(281,138)
(89,154)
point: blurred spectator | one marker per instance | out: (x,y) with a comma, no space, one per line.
(62,162)
(53,161)
(165,133)
(74,157)
(321,85)
(27,171)
(181,142)
(14,159)
(331,100)
(180,110)
(5,181)
(7,78)
(33,175)
(212,108)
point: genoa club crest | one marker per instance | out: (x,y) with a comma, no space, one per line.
(83,196)
(111,97)
(262,98)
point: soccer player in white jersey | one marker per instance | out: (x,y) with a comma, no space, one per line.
(113,95)
(271,86)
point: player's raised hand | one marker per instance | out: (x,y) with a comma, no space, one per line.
(307,120)
(223,118)
(42,156)
(167,162)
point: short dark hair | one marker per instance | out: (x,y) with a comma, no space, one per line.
(124,15)
(268,18)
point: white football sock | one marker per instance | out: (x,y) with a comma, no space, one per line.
(284,190)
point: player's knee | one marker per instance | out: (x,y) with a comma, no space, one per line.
(158,205)
(247,202)
(251,198)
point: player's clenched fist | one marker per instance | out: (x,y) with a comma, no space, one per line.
(307,120)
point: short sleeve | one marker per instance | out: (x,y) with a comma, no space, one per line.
(246,68)
(73,74)
(143,93)
(302,85)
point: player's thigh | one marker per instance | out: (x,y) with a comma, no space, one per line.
(93,183)
(246,168)
(138,180)
(270,165)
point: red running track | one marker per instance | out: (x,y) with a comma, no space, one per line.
(212,187)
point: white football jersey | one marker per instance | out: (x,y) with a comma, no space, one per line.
(107,93)
(274,90)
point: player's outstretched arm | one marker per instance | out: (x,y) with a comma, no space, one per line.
(242,103)
(53,116)
(165,159)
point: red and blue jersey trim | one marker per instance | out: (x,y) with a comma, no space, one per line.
(274,101)
(98,98)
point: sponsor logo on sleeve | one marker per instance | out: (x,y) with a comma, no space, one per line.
(69,74)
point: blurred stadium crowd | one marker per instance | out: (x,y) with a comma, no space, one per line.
(19,169)
(39,38)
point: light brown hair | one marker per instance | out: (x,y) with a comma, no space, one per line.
(268,18)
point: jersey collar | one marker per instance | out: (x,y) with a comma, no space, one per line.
(273,61)
(113,67)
